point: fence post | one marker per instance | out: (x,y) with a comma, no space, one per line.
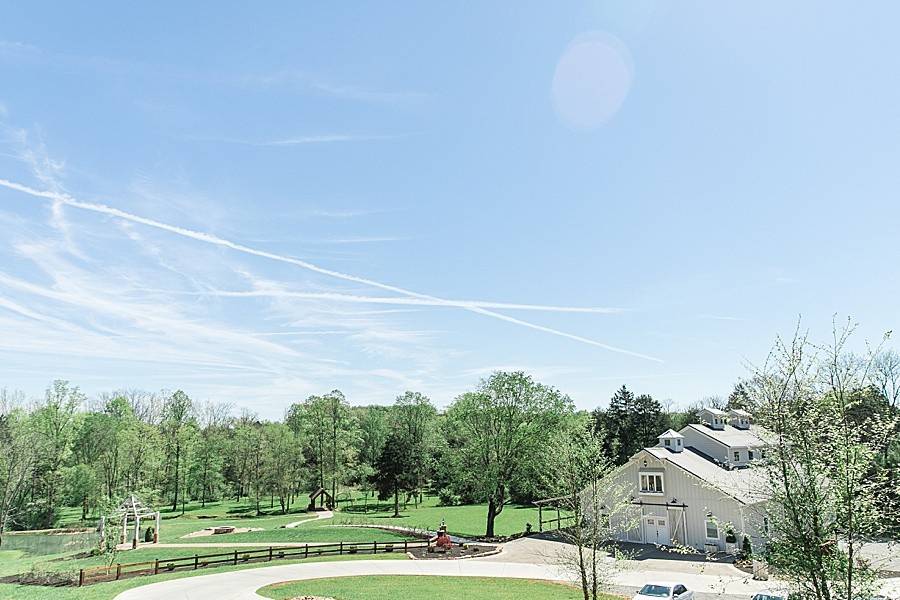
(196,562)
(118,571)
(341,549)
(156,567)
(306,551)
(270,553)
(404,545)
(235,556)
(375,547)
(540,518)
(80,577)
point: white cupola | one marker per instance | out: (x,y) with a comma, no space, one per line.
(712,418)
(672,440)
(739,419)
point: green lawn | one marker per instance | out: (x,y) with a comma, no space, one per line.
(467,520)
(107,591)
(416,587)
(325,532)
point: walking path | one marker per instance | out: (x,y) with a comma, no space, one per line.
(322,514)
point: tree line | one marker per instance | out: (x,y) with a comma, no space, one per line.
(492,445)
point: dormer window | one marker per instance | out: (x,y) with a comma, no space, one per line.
(739,419)
(712,418)
(672,440)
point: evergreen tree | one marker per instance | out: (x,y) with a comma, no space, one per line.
(394,470)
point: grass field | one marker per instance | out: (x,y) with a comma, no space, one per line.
(468,520)
(418,586)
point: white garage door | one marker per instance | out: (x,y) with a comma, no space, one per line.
(656,531)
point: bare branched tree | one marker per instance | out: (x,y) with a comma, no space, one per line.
(821,470)
(582,475)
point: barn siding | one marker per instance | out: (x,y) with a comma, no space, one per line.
(699,500)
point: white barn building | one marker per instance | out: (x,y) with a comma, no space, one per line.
(695,485)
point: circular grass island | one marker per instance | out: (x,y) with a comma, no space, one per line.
(416,587)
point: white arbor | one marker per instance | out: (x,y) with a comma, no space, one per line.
(130,512)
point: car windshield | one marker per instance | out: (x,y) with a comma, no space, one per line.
(655,590)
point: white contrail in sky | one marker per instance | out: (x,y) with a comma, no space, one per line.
(277,293)
(217,241)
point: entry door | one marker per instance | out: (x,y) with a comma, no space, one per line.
(656,531)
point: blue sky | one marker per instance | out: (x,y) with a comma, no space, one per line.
(256,205)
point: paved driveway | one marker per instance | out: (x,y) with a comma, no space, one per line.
(242,585)
(526,558)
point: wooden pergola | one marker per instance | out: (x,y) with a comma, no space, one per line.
(131,511)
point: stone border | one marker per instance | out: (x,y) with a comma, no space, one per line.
(496,550)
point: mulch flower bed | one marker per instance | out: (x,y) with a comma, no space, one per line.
(457,551)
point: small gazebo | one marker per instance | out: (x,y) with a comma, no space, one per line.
(131,511)
(320,494)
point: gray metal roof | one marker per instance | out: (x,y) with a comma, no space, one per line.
(744,485)
(731,436)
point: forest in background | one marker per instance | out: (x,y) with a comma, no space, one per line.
(488,446)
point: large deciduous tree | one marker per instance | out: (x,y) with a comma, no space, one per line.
(179,428)
(55,423)
(413,418)
(332,433)
(18,455)
(504,426)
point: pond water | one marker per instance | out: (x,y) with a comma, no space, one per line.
(49,543)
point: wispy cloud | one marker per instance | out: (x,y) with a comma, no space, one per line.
(287,79)
(221,242)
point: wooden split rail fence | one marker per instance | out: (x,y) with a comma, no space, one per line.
(237,557)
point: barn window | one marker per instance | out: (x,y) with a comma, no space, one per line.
(652,483)
(712,530)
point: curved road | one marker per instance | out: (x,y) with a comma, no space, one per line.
(242,585)
(521,559)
